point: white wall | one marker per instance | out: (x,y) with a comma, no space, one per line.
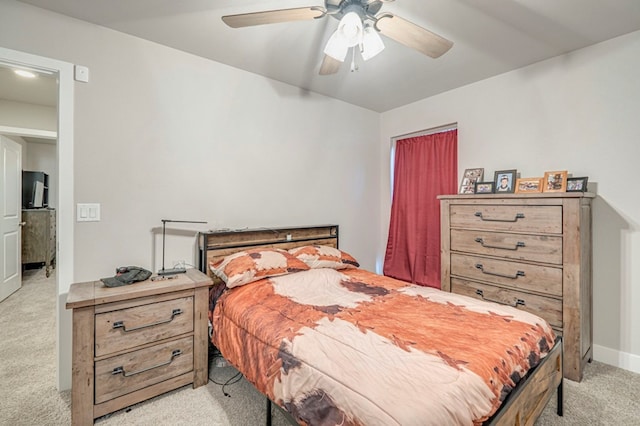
(163,134)
(28,116)
(577,112)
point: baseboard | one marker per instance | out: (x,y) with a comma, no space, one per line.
(617,358)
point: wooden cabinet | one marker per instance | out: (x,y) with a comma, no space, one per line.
(39,237)
(137,341)
(529,251)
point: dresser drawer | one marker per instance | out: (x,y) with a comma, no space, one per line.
(516,218)
(127,328)
(535,248)
(542,279)
(545,307)
(135,370)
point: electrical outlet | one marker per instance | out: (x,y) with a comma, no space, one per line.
(288,237)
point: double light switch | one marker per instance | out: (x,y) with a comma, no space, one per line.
(88,212)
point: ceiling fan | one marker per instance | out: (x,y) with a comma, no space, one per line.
(359,26)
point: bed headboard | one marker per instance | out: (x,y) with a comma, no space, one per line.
(214,245)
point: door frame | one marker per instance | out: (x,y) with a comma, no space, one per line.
(65,213)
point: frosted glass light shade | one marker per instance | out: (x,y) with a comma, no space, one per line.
(336,48)
(350,29)
(371,43)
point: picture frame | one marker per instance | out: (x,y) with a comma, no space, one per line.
(555,181)
(529,185)
(504,181)
(577,184)
(469,179)
(484,187)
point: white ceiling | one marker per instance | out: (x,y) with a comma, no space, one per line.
(491,37)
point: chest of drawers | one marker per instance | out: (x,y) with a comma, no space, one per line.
(134,342)
(529,251)
(39,237)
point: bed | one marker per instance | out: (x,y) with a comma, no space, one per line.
(331,343)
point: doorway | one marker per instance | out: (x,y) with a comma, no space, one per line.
(64,197)
(28,119)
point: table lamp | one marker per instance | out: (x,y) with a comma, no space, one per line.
(172,271)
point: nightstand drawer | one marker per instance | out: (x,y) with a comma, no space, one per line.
(127,328)
(516,218)
(548,308)
(535,248)
(135,370)
(542,279)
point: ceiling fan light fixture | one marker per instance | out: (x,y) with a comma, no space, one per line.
(350,29)
(336,47)
(371,43)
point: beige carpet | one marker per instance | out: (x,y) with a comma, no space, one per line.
(606,396)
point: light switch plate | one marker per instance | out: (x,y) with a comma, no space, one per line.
(88,212)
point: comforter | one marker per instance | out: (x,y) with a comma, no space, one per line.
(350,347)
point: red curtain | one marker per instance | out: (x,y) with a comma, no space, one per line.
(425,167)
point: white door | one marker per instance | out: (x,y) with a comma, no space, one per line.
(11,209)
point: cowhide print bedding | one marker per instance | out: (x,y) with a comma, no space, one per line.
(351,347)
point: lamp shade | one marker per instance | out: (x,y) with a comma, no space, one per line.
(336,48)
(350,29)
(371,43)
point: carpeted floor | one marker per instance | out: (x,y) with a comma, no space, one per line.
(606,396)
(28,394)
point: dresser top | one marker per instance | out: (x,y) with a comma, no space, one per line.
(545,195)
(96,293)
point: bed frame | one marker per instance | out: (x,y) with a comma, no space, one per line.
(523,405)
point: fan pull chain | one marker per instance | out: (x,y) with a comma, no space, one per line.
(354,66)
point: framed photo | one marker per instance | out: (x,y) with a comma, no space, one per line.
(469,179)
(504,181)
(524,185)
(578,184)
(484,187)
(555,181)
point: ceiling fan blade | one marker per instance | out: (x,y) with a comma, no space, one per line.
(329,65)
(411,35)
(274,16)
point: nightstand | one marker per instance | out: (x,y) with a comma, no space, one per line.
(137,341)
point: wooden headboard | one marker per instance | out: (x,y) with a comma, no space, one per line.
(214,245)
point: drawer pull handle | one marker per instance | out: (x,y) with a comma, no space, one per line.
(497,274)
(482,243)
(515,219)
(120,324)
(518,302)
(120,370)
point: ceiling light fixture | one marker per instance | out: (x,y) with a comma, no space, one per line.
(336,47)
(352,32)
(350,29)
(25,73)
(371,43)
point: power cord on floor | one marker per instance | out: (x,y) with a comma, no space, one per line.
(215,355)
(232,380)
